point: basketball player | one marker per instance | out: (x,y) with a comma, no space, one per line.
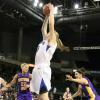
(41,74)
(85,85)
(67,95)
(23,80)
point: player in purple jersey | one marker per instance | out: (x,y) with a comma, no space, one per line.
(85,85)
(23,80)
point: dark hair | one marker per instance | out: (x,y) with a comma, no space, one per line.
(69,73)
(82,71)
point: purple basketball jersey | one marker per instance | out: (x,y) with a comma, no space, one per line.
(86,92)
(23,80)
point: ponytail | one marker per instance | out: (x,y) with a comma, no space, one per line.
(61,46)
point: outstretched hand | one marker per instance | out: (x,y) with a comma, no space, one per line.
(51,7)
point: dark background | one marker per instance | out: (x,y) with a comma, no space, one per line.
(20,33)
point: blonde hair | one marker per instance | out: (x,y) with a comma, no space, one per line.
(23,64)
(60,45)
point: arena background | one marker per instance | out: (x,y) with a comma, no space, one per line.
(20,33)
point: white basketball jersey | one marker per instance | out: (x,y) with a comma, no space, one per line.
(42,68)
(44,53)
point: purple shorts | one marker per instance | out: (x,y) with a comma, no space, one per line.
(26,96)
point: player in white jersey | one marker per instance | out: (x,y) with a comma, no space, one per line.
(41,74)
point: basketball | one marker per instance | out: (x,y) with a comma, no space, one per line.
(46,10)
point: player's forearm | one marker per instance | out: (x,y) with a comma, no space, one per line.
(78,81)
(51,24)
(11,83)
(31,65)
(51,20)
(45,24)
(75,95)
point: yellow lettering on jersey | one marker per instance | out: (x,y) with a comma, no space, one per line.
(23,79)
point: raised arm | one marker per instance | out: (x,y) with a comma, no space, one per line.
(52,33)
(44,27)
(81,81)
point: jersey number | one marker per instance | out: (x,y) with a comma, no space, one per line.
(23,85)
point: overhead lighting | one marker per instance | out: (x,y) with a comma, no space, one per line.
(55,10)
(36,3)
(96,0)
(76,6)
(40,4)
(86,5)
(74,70)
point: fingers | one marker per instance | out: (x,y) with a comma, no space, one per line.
(45,6)
(51,10)
(51,7)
